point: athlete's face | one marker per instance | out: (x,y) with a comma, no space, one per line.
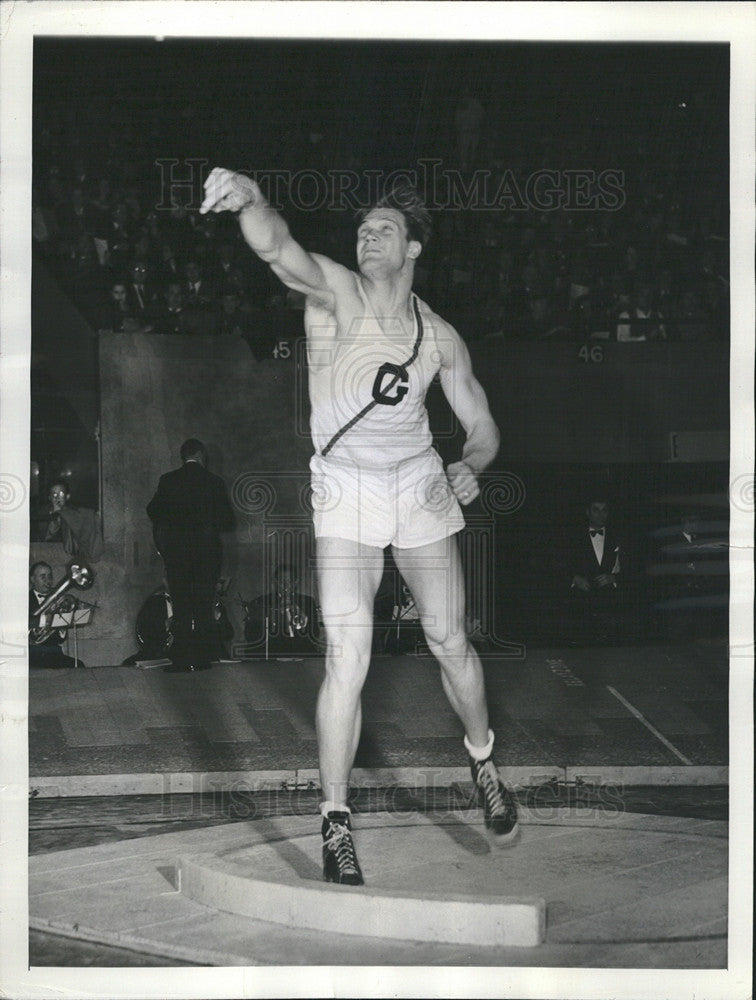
(383,242)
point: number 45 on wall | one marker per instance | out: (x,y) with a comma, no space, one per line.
(282,349)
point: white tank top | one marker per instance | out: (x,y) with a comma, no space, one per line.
(368,401)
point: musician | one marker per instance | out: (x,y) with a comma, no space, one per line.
(76,528)
(289,616)
(46,653)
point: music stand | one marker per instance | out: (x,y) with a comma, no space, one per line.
(80,615)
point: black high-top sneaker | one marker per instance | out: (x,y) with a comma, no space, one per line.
(499,807)
(339,858)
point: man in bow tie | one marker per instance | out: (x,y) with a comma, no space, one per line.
(597,560)
(596,599)
(45,643)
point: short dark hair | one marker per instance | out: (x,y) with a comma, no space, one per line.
(191,448)
(405,199)
(35,566)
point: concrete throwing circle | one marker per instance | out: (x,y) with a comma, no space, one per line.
(572,877)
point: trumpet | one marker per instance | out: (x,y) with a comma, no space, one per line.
(79,575)
(296,619)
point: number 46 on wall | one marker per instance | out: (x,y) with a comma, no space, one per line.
(594,354)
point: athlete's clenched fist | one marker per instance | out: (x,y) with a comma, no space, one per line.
(226,191)
(463,481)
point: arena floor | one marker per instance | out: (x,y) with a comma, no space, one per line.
(590,738)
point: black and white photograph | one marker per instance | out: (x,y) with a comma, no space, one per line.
(376,496)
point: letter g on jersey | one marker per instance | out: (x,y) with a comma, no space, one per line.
(398,375)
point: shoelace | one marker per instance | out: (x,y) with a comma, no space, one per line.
(340,842)
(488,779)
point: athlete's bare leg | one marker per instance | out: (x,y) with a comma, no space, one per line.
(348,577)
(434,575)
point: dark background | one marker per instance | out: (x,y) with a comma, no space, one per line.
(657,112)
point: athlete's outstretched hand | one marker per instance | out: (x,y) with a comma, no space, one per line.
(463,482)
(226,191)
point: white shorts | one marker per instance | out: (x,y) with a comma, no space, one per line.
(407,504)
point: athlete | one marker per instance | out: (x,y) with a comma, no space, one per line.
(373,348)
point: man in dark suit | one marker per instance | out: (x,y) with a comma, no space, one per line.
(169,315)
(189,510)
(141,290)
(595,565)
(45,649)
(198,289)
(595,573)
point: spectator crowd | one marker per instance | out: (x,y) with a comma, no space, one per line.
(136,256)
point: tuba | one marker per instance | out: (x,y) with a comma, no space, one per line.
(79,575)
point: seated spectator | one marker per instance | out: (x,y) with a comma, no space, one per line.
(204,245)
(118,237)
(44,224)
(595,557)
(716,305)
(168,316)
(584,320)
(689,321)
(45,642)
(224,265)
(116,313)
(629,267)
(84,278)
(665,298)
(100,208)
(689,576)
(77,529)
(235,316)
(151,229)
(100,203)
(142,294)
(173,313)
(593,578)
(641,321)
(177,228)
(168,268)
(74,218)
(283,622)
(197,288)
(618,297)
(143,252)
(237,279)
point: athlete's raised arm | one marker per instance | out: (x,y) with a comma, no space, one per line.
(268,235)
(468,400)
